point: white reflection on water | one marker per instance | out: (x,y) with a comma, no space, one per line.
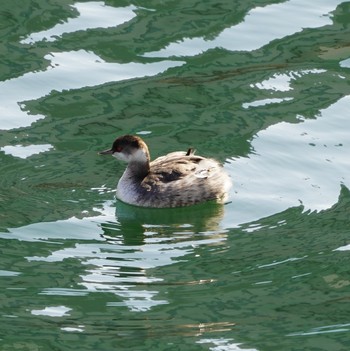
(264,102)
(336,328)
(345,63)
(68,70)
(279,82)
(222,344)
(52,311)
(246,36)
(91,15)
(25,151)
(343,248)
(292,164)
(282,82)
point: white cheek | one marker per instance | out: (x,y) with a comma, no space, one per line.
(136,156)
(120,156)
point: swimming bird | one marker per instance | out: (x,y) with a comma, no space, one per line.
(177,179)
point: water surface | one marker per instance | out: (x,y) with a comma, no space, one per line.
(263,87)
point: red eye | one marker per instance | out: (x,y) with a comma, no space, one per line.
(119,149)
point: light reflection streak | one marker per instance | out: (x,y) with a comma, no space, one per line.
(244,36)
(94,14)
(22,151)
(275,177)
(68,70)
(223,344)
(336,328)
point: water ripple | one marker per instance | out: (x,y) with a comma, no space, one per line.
(68,70)
(243,36)
(92,14)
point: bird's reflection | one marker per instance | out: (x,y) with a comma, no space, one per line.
(134,223)
(139,240)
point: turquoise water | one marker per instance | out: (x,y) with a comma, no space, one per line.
(261,86)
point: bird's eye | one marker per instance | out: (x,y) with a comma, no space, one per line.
(119,149)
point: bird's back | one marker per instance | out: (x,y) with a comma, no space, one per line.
(182,179)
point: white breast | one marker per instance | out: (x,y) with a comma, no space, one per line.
(125,190)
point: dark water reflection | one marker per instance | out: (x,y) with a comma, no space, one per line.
(204,219)
(262,87)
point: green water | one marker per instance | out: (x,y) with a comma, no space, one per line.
(261,86)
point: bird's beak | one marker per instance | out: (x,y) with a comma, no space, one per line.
(106,152)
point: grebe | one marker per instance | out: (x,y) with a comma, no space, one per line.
(176,179)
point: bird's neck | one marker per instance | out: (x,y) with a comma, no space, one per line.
(137,170)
